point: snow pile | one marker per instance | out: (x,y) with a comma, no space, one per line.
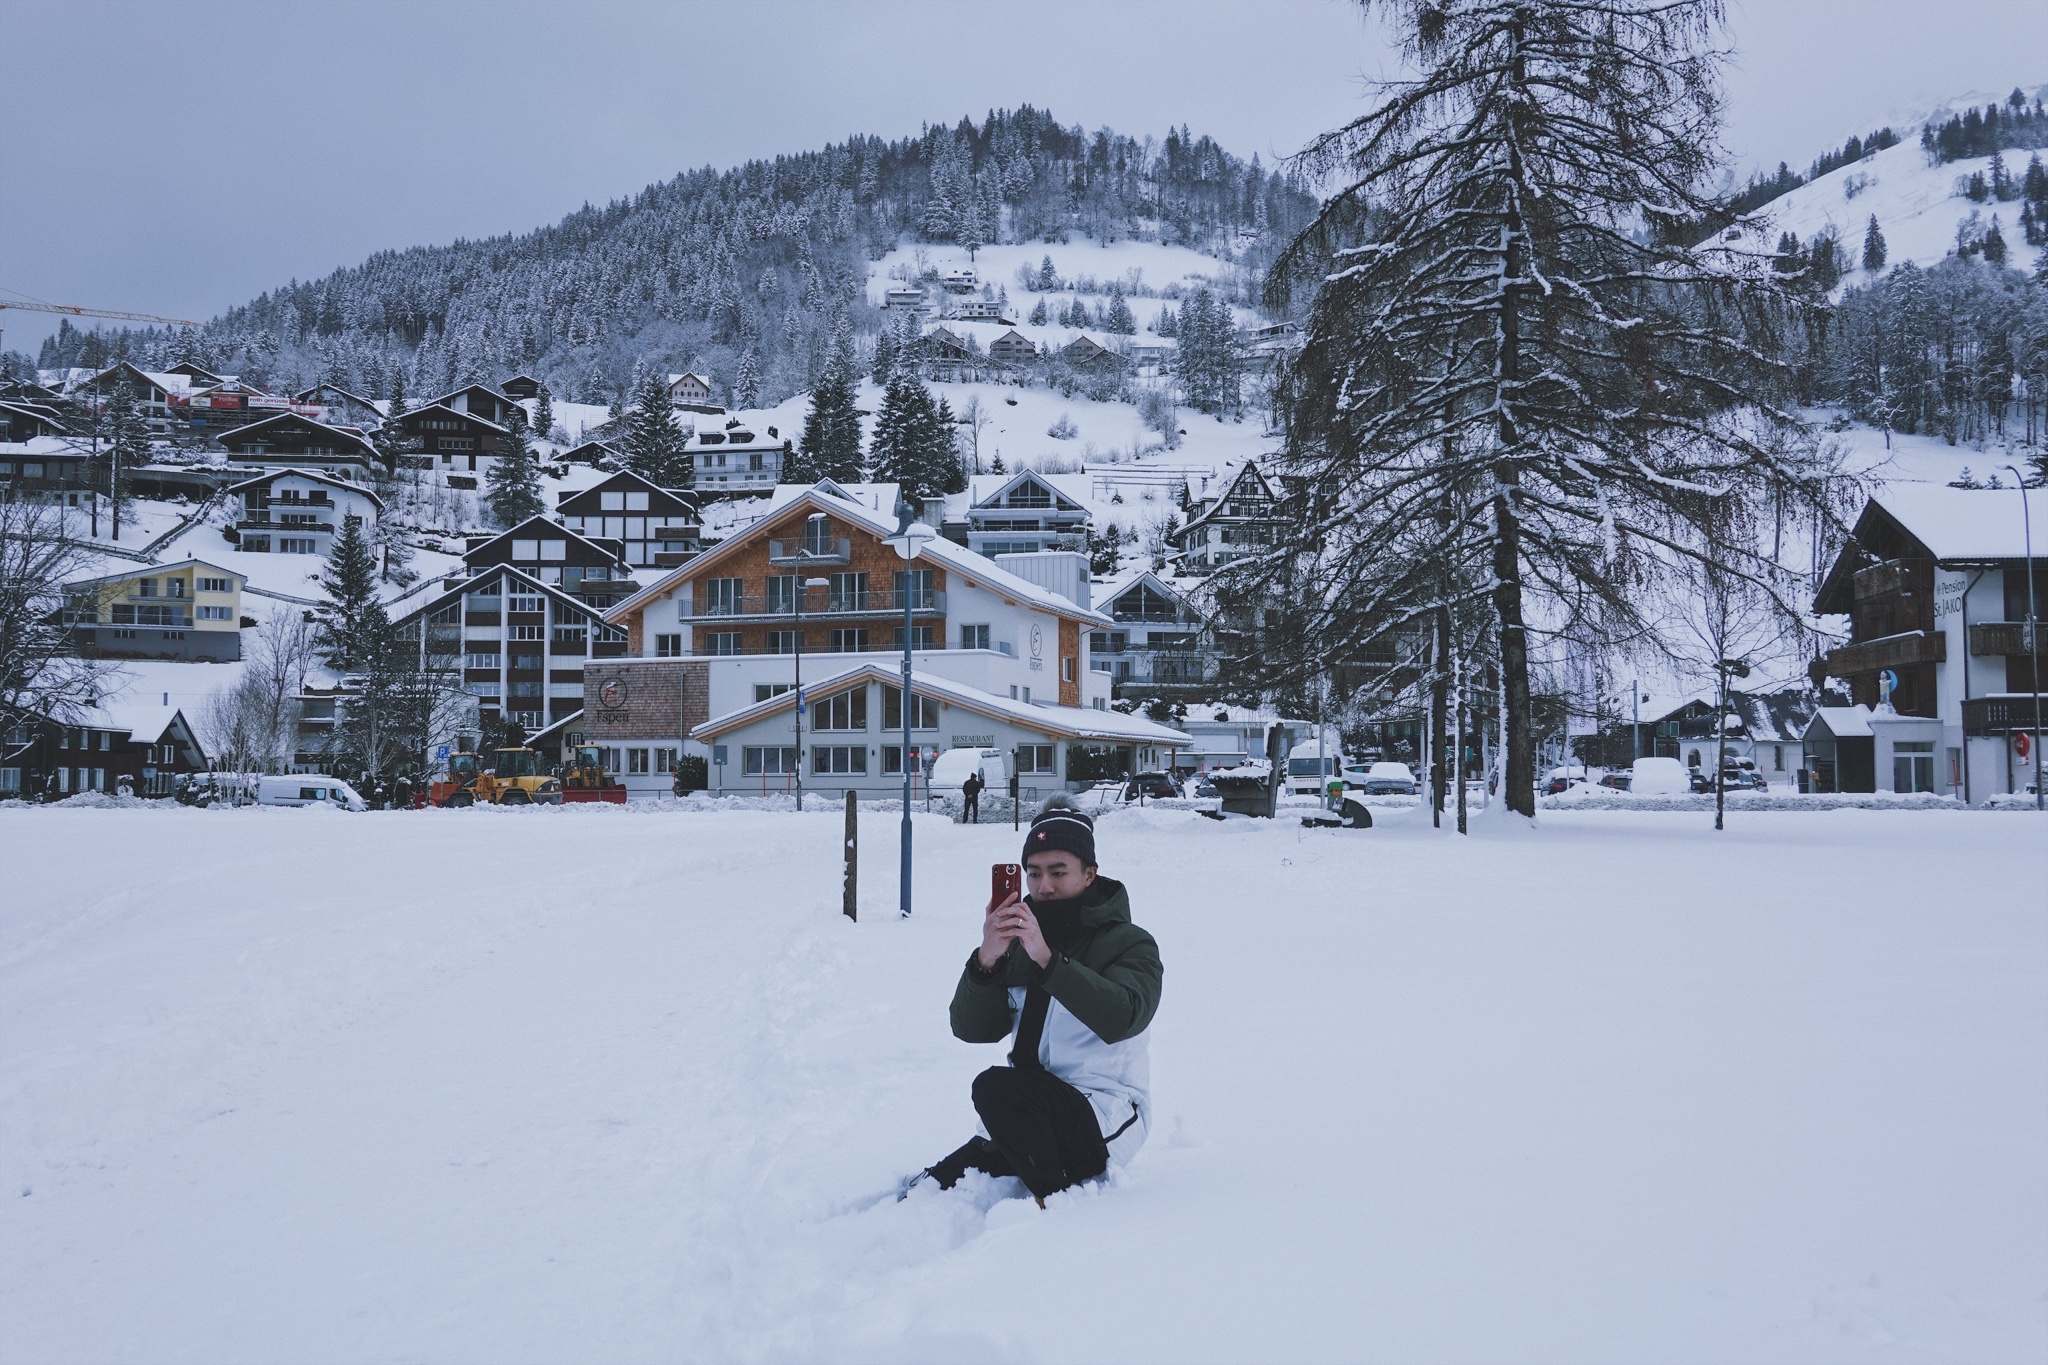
(1605,798)
(1616,1088)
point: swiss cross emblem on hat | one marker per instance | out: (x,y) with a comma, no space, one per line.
(1041,836)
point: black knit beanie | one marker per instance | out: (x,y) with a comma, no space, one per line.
(1058,827)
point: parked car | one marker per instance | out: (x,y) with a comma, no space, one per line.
(1202,787)
(1618,781)
(1303,777)
(1151,785)
(1390,779)
(308,789)
(1732,779)
(1659,777)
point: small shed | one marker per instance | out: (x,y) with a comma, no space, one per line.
(1840,750)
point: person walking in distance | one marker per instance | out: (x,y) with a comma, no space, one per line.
(1064,973)
(971,790)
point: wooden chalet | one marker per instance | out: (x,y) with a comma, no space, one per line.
(458,443)
(480,400)
(1085,353)
(292,440)
(1012,348)
(657,527)
(521,387)
(342,406)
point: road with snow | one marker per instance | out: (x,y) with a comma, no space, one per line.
(620,1085)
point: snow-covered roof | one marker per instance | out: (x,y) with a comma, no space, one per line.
(1843,722)
(984,489)
(1066,722)
(411,413)
(1961,523)
(243,433)
(272,475)
(138,570)
(145,719)
(48,447)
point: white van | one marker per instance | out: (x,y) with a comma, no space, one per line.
(951,768)
(308,789)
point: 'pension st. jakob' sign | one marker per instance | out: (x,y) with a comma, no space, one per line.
(654,699)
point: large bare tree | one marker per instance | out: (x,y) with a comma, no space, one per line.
(40,676)
(1523,382)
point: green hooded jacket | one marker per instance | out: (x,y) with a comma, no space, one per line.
(1107,974)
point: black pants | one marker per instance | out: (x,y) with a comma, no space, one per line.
(1041,1130)
(974,809)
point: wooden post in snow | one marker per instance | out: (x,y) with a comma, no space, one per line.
(850,895)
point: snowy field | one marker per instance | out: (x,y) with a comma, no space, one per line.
(606,1084)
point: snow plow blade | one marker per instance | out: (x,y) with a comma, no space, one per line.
(615,795)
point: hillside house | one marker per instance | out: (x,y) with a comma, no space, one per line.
(52,468)
(903,298)
(657,527)
(689,390)
(461,445)
(982,310)
(521,388)
(1091,357)
(1012,348)
(189,611)
(299,511)
(340,407)
(592,453)
(23,421)
(960,281)
(1156,647)
(290,440)
(733,459)
(722,632)
(592,569)
(480,400)
(1025,513)
(1240,516)
(1934,582)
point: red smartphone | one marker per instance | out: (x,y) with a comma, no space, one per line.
(1005,880)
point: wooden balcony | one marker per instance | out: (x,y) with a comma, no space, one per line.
(830,550)
(1893,651)
(1994,638)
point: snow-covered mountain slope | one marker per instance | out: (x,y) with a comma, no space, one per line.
(1917,206)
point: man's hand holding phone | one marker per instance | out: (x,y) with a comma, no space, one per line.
(1008,919)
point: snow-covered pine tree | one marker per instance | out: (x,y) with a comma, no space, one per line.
(654,446)
(1119,319)
(1513,364)
(351,616)
(127,440)
(1873,247)
(1037,318)
(512,485)
(830,445)
(544,414)
(1048,278)
(1994,243)
(944,470)
(746,385)
(885,354)
(911,446)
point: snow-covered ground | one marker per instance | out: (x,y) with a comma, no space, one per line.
(1917,206)
(611,1084)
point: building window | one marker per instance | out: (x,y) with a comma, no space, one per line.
(668,646)
(920,637)
(216,614)
(974,637)
(782,592)
(847,711)
(476,658)
(834,759)
(530,661)
(145,587)
(768,761)
(636,761)
(849,641)
(722,642)
(763,691)
(918,583)
(1034,758)
(848,592)
(721,597)
(924,710)
(526,602)
(295,545)
(529,632)
(664,759)
(174,587)
(1913,766)
(780,641)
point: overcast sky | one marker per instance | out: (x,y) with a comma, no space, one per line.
(180,158)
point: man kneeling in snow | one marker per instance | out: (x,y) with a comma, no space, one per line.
(1077,983)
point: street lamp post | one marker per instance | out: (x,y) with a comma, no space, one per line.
(797,605)
(910,537)
(2033,637)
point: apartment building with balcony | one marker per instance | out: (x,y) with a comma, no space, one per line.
(734,458)
(298,511)
(1934,585)
(189,611)
(518,644)
(1026,513)
(1156,647)
(1237,514)
(590,568)
(722,632)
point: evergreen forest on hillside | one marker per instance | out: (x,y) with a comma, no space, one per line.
(698,271)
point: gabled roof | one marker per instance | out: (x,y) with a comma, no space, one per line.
(192,371)
(306,395)
(1123,582)
(1957,526)
(346,435)
(271,475)
(1013,335)
(145,570)
(527,581)
(473,388)
(446,411)
(1062,722)
(1843,722)
(1049,482)
(703,379)
(944,553)
(537,526)
(619,477)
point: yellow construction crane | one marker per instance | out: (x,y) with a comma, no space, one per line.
(76,312)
